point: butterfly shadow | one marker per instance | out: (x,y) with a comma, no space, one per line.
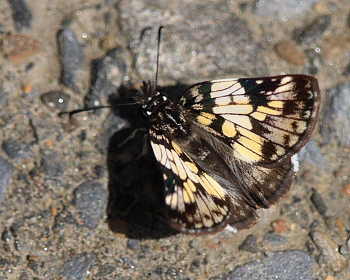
(136,204)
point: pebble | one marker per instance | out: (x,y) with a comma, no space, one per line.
(280,226)
(330,251)
(6,173)
(56,99)
(43,129)
(283,10)
(91,202)
(71,58)
(21,14)
(336,121)
(315,60)
(285,265)
(19,48)
(184,50)
(77,267)
(335,47)
(17,149)
(273,239)
(290,52)
(54,166)
(346,190)
(250,244)
(110,71)
(311,153)
(313,31)
(318,201)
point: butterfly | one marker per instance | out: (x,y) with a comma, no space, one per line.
(228,147)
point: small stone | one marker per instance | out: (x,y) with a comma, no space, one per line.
(91,202)
(330,251)
(335,47)
(21,14)
(110,71)
(71,57)
(336,121)
(286,265)
(19,48)
(314,30)
(273,239)
(78,266)
(282,10)
(17,149)
(280,226)
(346,190)
(250,244)
(6,173)
(133,244)
(53,165)
(318,201)
(290,52)
(56,99)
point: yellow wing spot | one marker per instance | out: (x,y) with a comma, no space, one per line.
(223,100)
(208,115)
(280,151)
(240,99)
(233,109)
(254,146)
(228,129)
(286,80)
(177,148)
(191,186)
(212,187)
(269,111)
(179,167)
(240,120)
(251,135)
(259,116)
(192,166)
(171,200)
(188,194)
(222,84)
(204,120)
(302,126)
(276,104)
(226,87)
(244,153)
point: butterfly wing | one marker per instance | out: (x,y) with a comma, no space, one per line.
(264,120)
(195,202)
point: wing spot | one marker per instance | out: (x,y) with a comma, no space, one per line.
(228,129)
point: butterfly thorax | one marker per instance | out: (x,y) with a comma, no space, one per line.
(163,113)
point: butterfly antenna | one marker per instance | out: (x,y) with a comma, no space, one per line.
(138,47)
(158,48)
(71,113)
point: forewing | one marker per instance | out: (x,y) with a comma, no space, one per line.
(195,202)
(265,120)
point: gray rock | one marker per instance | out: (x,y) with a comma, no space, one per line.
(91,202)
(283,10)
(6,173)
(17,149)
(71,57)
(56,99)
(54,166)
(336,118)
(286,265)
(77,267)
(21,14)
(209,43)
(273,239)
(313,31)
(109,72)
